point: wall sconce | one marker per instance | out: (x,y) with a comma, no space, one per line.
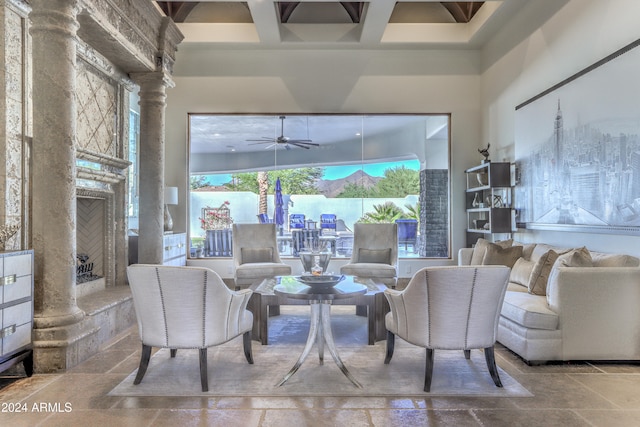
(170,198)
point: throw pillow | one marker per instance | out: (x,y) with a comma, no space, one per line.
(497,255)
(481,247)
(521,272)
(252,255)
(375,256)
(580,257)
(574,258)
(537,283)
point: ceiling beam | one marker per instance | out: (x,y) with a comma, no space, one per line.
(462,11)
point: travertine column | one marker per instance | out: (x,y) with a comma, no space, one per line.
(53,32)
(152,119)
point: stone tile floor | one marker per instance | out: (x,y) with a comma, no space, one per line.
(568,394)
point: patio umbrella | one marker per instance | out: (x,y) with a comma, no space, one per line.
(278,215)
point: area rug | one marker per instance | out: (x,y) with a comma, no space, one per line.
(231,375)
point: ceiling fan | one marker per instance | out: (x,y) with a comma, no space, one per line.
(284,140)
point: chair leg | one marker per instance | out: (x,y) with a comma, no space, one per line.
(467,354)
(144,363)
(173,352)
(391,338)
(204,379)
(491,364)
(428,370)
(246,342)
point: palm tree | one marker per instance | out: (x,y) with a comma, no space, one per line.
(263,188)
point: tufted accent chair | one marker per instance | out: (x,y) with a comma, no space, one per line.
(187,308)
(375,253)
(449,308)
(255,254)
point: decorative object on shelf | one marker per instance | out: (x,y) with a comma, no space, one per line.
(476,200)
(216,218)
(480,224)
(7,232)
(485,153)
(497,201)
(483,179)
(170,198)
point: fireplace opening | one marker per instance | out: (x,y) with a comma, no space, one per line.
(90,239)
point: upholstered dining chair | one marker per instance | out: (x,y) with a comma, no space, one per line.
(187,308)
(375,253)
(449,308)
(255,254)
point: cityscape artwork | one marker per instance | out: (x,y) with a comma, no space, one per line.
(578,148)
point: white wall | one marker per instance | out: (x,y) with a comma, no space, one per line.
(328,81)
(579,34)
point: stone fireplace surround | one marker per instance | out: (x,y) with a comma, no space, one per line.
(56,49)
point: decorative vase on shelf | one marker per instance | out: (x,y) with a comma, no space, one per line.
(482,179)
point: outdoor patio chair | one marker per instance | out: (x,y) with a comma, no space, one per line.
(449,308)
(187,308)
(296,221)
(407,233)
(328,224)
(264,219)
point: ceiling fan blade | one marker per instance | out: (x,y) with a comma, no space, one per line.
(297,144)
(263,139)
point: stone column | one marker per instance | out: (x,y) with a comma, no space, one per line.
(53,32)
(152,119)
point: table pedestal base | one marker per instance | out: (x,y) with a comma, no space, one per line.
(320,331)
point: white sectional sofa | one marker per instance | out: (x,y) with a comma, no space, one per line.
(589,309)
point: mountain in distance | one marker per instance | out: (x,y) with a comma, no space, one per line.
(333,187)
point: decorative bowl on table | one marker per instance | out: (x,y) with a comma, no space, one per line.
(323,281)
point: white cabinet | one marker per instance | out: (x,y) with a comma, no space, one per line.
(175,249)
(16,309)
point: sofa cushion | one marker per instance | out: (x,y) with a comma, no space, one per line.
(537,284)
(481,247)
(613,260)
(529,310)
(527,249)
(575,258)
(521,271)
(497,255)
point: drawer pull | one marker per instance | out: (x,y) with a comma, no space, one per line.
(7,280)
(9,330)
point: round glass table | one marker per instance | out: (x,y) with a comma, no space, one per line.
(320,327)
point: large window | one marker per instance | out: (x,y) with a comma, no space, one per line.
(367,168)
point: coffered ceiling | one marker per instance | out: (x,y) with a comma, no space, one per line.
(322,23)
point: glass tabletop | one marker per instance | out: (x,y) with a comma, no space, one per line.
(267,286)
(297,290)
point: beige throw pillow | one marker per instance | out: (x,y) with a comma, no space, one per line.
(497,255)
(374,256)
(253,255)
(580,257)
(537,283)
(481,247)
(521,271)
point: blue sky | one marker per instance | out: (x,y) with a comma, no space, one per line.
(337,172)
